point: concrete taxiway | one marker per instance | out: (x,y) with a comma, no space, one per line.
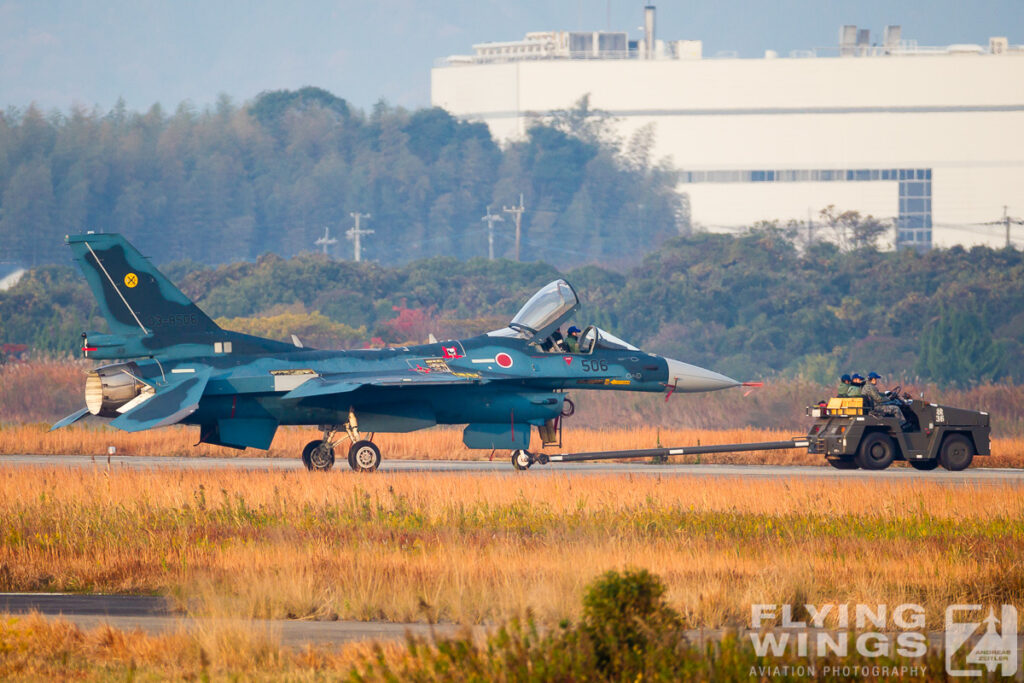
(502,466)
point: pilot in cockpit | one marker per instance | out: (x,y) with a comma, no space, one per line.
(572,339)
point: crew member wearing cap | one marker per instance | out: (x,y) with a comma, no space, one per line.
(844,387)
(572,339)
(856,386)
(881,404)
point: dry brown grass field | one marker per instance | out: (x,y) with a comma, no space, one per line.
(35,648)
(481,548)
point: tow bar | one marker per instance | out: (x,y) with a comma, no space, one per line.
(523,459)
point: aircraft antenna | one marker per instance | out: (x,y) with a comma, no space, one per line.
(491,219)
(517,211)
(355,233)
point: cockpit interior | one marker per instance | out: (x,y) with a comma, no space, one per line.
(541,319)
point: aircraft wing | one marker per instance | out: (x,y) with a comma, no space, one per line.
(168,404)
(325,385)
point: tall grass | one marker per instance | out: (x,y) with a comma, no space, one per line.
(35,648)
(479,548)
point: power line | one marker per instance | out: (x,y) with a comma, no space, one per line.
(1006,221)
(355,233)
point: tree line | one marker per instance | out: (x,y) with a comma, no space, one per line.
(229,183)
(752,305)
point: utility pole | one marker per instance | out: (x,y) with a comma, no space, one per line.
(326,240)
(1006,221)
(517,211)
(356,233)
(491,219)
(810,228)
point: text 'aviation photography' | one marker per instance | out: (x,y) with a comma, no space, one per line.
(511,342)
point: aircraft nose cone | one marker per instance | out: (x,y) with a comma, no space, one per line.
(686,377)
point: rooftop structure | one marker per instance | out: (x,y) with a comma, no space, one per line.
(927,137)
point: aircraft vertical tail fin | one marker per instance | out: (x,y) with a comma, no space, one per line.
(135,298)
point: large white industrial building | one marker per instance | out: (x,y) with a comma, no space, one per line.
(930,138)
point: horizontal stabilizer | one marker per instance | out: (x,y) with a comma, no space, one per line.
(343,384)
(71,419)
(171,403)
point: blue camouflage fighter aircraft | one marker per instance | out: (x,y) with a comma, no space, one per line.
(177,366)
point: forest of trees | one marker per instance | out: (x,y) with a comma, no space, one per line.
(752,305)
(231,199)
(230,183)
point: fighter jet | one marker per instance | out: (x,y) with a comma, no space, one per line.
(177,366)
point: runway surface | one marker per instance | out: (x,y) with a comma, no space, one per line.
(152,615)
(503,466)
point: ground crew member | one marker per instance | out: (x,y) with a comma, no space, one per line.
(844,387)
(572,339)
(856,386)
(881,405)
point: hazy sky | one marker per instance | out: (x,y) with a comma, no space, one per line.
(57,53)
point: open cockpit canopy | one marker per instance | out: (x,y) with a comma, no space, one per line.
(545,311)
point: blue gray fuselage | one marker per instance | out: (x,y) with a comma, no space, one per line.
(529,390)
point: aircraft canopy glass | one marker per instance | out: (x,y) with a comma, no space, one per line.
(546,309)
(596,338)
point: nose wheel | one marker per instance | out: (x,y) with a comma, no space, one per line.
(522,459)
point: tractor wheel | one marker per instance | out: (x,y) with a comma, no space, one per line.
(876,452)
(364,456)
(521,459)
(314,457)
(842,463)
(924,465)
(956,452)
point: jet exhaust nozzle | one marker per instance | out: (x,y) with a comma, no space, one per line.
(109,387)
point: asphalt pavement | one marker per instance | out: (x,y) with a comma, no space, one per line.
(154,616)
(502,466)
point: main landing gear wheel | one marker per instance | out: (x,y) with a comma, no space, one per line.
(956,452)
(364,456)
(877,451)
(316,457)
(521,460)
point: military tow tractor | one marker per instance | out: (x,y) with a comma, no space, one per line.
(847,434)
(850,436)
